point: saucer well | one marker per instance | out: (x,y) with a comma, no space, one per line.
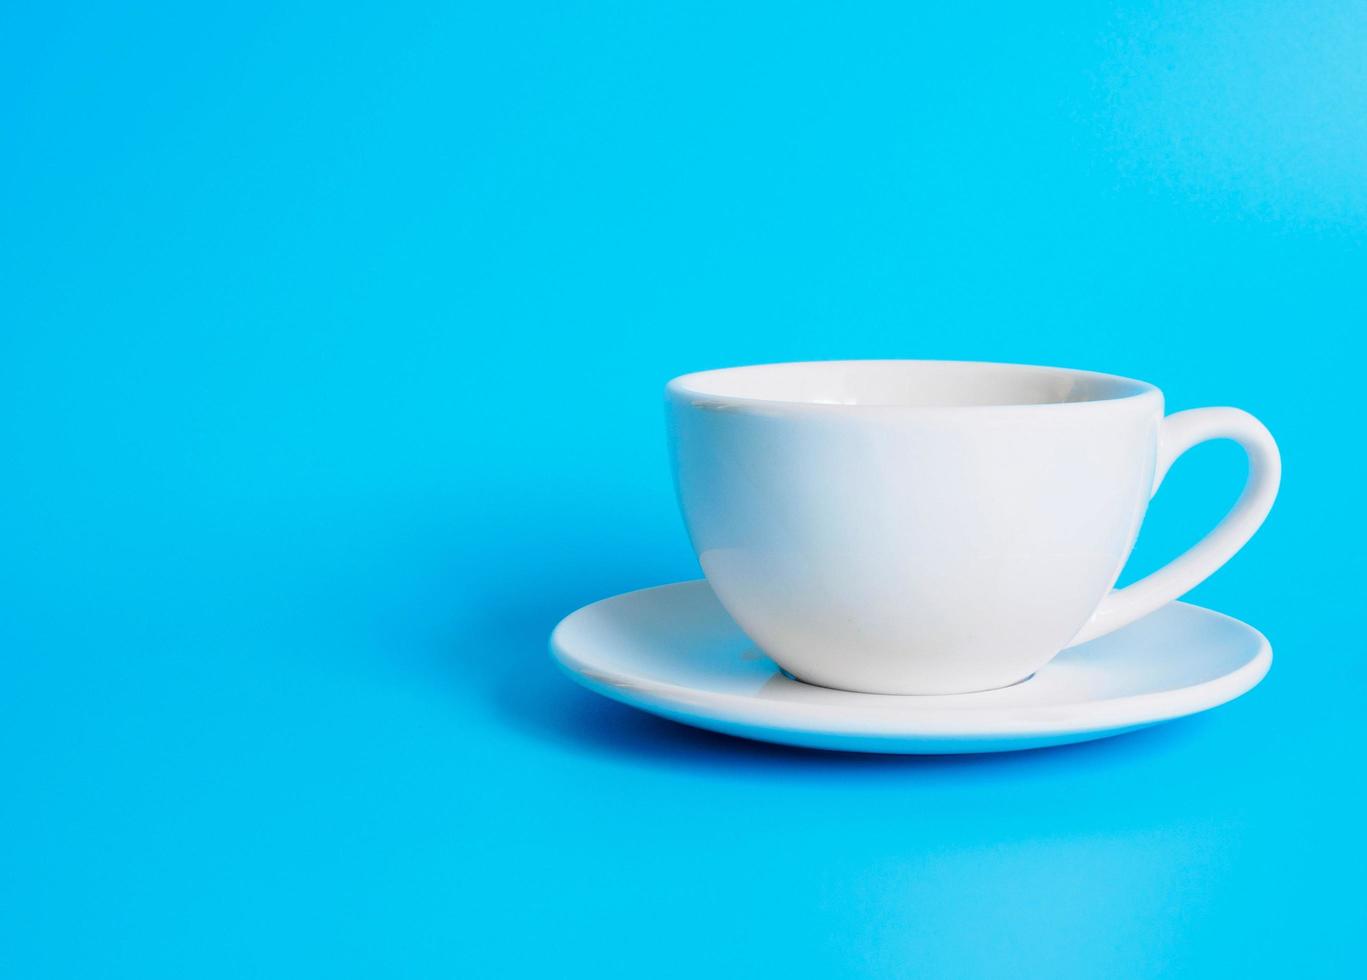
(673,651)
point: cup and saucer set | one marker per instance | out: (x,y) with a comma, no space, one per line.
(920,557)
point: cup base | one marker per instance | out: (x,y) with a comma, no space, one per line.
(905,694)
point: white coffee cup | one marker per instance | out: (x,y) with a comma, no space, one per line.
(937,527)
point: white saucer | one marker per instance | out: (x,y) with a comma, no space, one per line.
(674,651)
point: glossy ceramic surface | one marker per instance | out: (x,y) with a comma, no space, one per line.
(674,651)
(923,527)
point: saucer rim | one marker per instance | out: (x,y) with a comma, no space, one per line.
(694,705)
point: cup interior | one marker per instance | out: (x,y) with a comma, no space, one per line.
(911,384)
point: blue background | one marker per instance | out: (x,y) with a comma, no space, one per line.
(332,342)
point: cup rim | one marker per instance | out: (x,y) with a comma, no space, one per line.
(686,388)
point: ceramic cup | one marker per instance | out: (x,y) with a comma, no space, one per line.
(937,527)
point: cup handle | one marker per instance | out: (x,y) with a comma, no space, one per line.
(1176,434)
